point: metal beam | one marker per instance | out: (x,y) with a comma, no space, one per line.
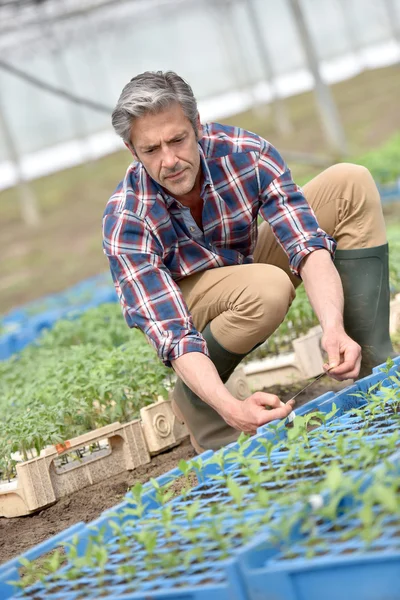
(329,116)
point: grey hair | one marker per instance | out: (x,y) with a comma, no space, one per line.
(152,92)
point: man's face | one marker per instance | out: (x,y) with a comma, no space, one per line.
(165,143)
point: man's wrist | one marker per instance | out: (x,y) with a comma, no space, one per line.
(231,412)
(335,325)
(225,404)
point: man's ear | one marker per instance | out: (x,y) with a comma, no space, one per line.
(131,150)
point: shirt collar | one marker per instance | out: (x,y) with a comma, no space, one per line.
(207,180)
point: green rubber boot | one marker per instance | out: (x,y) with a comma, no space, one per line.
(365,279)
(208,430)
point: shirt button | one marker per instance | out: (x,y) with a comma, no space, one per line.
(192,229)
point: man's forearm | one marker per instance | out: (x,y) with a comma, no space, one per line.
(201,376)
(324,288)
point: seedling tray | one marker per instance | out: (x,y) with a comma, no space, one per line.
(340,569)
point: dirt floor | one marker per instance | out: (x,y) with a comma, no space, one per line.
(19,534)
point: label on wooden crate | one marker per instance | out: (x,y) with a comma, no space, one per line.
(62,447)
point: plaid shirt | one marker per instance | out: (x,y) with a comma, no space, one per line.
(150,248)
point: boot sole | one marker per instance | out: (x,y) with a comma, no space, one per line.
(177,412)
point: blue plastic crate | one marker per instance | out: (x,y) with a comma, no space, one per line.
(213,490)
(95,289)
(390,192)
(28,322)
(219,581)
(223,576)
(345,401)
(329,564)
(6,346)
(340,569)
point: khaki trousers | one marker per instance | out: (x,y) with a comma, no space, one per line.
(245,304)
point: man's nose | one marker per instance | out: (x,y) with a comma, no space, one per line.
(169,158)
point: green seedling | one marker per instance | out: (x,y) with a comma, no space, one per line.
(388,366)
(268,446)
(219,459)
(194,555)
(147,538)
(192,511)
(163,493)
(186,468)
(129,571)
(44,569)
(119,531)
(237,492)
(169,561)
(214,532)
(138,509)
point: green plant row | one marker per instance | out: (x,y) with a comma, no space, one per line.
(81,375)
(383,162)
(272,488)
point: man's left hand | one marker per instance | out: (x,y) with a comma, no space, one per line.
(344,355)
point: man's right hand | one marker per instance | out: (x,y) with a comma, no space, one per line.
(200,374)
(257,410)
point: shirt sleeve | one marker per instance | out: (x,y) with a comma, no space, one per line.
(285,208)
(150,298)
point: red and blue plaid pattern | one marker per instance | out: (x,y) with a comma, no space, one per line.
(150,248)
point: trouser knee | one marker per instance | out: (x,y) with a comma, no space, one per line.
(347,205)
(263,299)
(357,179)
(274,298)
